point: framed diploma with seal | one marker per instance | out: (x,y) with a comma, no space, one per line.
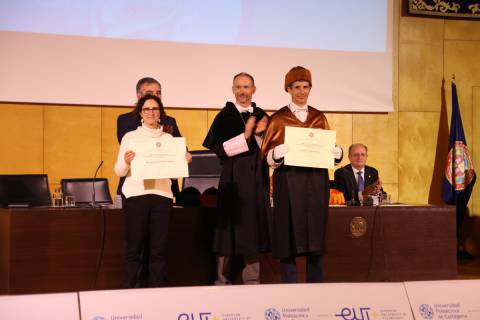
(310,147)
(159,158)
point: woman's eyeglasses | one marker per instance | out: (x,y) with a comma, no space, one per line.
(150,110)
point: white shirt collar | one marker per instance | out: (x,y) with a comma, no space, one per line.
(355,171)
(244,109)
(293,107)
(301,113)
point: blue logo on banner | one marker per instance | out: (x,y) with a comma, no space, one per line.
(193,316)
(351,314)
(426,311)
(272,314)
(99,318)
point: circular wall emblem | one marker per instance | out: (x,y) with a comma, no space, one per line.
(272,314)
(358,227)
(310,134)
(158,144)
(426,311)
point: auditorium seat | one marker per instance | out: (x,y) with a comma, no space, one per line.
(82,190)
(204,174)
(204,171)
(24,190)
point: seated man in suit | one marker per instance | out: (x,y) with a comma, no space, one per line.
(357,177)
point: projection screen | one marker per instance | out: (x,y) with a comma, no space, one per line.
(93,52)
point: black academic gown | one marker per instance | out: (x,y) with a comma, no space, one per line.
(241,227)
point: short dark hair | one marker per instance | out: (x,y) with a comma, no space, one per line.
(146,80)
(138,107)
(357,145)
(244,74)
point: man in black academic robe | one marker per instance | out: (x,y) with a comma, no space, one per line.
(241,228)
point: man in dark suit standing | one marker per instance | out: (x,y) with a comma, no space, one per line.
(357,178)
(127,122)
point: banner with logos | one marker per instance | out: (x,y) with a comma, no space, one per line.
(449,300)
(58,306)
(348,301)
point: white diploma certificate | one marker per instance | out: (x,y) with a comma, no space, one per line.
(159,158)
(310,147)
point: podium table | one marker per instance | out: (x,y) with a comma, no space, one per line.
(74,249)
(61,250)
(401,243)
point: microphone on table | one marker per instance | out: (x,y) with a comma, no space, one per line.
(94,203)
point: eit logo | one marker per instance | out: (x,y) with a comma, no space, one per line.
(272,314)
(426,311)
(194,316)
(99,318)
(354,314)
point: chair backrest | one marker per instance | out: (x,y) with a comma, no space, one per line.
(204,171)
(82,190)
(24,190)
(205,163)
(201,184)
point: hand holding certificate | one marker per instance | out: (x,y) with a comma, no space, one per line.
(310,147)
(159,158)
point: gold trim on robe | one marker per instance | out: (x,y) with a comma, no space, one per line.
(284,117)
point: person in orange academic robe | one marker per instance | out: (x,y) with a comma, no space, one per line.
(300,194)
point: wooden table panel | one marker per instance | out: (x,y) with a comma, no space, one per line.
(419,243)
(52,250)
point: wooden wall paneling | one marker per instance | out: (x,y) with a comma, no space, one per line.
(416,153)
(72,141)
(110,145)
(193,125)
(21,142)
(420,64)
(379,133)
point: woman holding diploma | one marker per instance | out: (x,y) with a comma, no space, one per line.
(300,194)
(148,202)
